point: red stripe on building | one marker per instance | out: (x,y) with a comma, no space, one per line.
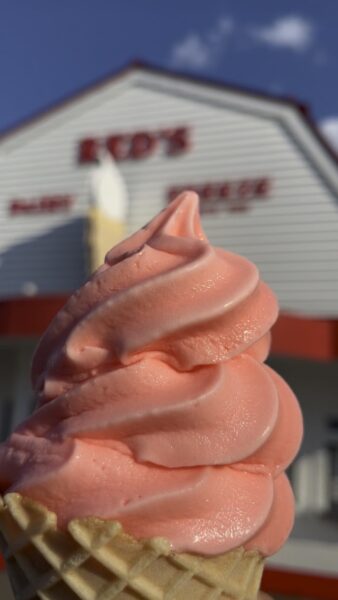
(302,585)
(28,317)
(316,339)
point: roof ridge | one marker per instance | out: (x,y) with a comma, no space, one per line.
(135,64)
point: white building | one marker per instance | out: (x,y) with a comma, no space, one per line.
(269,190)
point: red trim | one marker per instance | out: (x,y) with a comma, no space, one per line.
(135,65)
(305,585)
(28,316)
(293,336)
(316,339)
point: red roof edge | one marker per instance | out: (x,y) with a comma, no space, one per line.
(137,64)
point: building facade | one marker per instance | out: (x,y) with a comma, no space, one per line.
(268,186)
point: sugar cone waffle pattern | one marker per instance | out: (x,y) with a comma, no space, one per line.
(96,560)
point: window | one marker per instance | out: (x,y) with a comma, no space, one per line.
(333,488)
(6,410)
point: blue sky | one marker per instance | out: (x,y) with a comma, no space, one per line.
(51,48)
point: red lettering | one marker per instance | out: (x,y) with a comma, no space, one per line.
(208,208)
(177,140)
(142,145)
(68,201)
(88,149)
(207,192)
(173,192)
(238,207)
(135,146)
(30,207)
(49,204)
(262,187)
(229,195)
(244,189)
(15,207)
(46,204)
(117,146)
(224,191)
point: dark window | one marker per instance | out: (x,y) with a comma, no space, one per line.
(6,409)
(333,453)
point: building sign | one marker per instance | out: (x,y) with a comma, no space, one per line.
(227,195)
(44,204)
(136,145)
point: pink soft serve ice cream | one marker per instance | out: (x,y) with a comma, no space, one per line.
(154,405)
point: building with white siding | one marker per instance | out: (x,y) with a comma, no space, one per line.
(269,190)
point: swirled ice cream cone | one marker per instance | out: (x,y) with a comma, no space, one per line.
(155,410)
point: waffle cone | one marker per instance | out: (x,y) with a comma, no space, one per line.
(96,560)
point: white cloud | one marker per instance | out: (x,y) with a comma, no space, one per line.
(197,51)
(329,128)
(291,32)
(223,28)
(191,52)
